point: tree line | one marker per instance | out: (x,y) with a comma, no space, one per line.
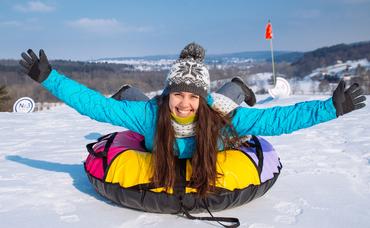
(327,56)
(103,77)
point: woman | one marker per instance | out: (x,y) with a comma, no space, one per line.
(180,122)
(164,121)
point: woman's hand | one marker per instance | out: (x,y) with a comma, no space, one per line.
(346,101)
(37,68)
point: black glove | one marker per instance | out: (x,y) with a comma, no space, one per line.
(348,100)
(37,68)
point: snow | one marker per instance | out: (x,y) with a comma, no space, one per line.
(158,63)
(339,68)
(142,64)
(325,180)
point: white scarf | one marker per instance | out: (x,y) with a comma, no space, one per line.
(183,130)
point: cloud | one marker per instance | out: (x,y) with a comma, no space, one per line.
(12,24)
(34,6)
(106,26)
(96,25)
(27,25)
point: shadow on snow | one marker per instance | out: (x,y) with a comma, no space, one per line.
(76,171)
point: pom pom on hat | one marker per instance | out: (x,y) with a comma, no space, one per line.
(194,51)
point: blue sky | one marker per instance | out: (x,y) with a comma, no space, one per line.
(88,29)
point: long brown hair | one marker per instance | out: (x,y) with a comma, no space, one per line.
(212,128)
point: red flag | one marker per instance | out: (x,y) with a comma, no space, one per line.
(268,34)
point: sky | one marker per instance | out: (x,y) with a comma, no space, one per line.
(90,29)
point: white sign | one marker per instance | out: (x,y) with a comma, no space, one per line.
(24,104)
(281,89)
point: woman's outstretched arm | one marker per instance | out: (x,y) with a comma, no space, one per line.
(129,114)
(284,120)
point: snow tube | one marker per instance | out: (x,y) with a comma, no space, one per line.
(119,168)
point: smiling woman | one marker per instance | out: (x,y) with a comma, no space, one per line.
(204,168)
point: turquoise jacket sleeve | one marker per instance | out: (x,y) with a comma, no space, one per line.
(282,120)
(133,115)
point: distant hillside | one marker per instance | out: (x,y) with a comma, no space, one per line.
(288,57)
(241,60)
(227,58)
(255,55)
(327,56)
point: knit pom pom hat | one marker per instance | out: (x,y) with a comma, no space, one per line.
(189,73)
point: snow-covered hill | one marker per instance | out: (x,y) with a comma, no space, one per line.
(220,61)
(325,181)
(339,70)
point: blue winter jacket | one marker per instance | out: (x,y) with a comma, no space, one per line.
(141,116)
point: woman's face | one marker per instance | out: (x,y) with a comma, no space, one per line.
(183,104)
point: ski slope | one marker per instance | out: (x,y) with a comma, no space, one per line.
(325,180)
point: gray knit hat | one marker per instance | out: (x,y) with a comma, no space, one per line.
(189,73)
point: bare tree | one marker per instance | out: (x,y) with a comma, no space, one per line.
(5,105)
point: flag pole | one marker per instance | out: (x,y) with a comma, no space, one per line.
(281,86)
(273,62)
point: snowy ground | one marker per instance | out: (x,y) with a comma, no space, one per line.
(325,181)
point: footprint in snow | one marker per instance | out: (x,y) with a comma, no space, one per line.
(62,208)
(289,212)
(143,221)
(285,219)
(70,218)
